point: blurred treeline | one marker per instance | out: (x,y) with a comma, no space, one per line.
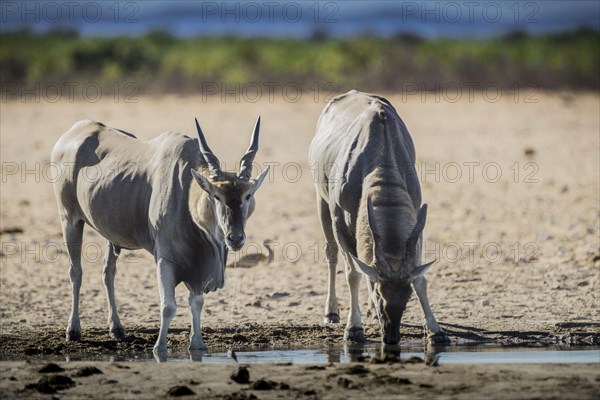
(159,62)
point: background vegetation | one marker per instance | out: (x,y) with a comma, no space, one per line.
(159,62)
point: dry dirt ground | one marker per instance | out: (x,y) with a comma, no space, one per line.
(513,194)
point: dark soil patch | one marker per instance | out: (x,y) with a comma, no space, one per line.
(241,376)
(51,384)
(179,391)
(263,384)
(87,371)
(50,368)
(27,343)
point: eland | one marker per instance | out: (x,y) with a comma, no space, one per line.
(369,204)
(167,196)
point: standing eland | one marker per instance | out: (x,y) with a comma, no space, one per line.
(168,196)
(369,203)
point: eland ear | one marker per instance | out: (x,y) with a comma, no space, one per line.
(411,243)
(259,179)
(367,270)
(203,182)
(378,254)
(421,269)
(372,221)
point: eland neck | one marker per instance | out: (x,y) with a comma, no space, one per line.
(394,213)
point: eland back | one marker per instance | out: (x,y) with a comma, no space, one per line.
(369,204)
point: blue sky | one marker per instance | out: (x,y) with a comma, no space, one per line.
(301,18)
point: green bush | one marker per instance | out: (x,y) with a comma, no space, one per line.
(159,62)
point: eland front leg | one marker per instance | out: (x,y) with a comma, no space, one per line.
(354,331)
(196,302)
(168,306)
(435,334)
(332,313)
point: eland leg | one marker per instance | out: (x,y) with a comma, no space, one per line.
(168,306)
(354,330)
(73,233)
(196,302)
(109,271)
(435,334)
(373,302)
(332,313)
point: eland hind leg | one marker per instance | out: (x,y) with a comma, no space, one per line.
(332,313)
(73,236)
(109,271)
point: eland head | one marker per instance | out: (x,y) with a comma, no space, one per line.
(391,275)
(231,194)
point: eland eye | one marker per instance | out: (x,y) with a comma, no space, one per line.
(249,196)
(217,197)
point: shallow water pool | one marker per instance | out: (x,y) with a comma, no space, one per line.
(481,354)
(458,356)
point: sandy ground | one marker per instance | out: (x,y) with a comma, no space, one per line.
(513,194)
(335,381)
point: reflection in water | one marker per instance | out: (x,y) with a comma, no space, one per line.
(432,353)
(390,350)
(352,352)
(196,355)
(333,354)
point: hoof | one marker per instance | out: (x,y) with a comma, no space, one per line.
(117,333)
(73,336)
(197,347)
(160,350)
(438,338)
(354,334)
(332,318)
